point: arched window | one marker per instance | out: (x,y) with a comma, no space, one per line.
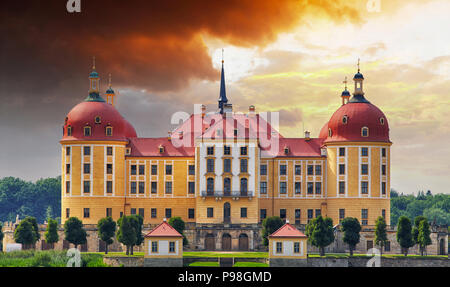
(227,186)
(365,131)
(210,185)
(69,131)
(344,119)
(382,121)
(87,131)
(330,133)
(244,186)
(109,131)
(98,119)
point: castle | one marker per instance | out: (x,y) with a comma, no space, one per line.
(223,172)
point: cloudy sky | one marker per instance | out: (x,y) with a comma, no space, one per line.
(286,56)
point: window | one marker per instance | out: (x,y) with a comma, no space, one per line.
(243,150)
(382,121)
(227,186)
(154,187)
(168,187)
(244,165)
(191,213)
(133,187)
(109,186)
(365,132)
(121,214)
(310,187)
(109,168)
(86,212)
(87,131)
(369,244)
(262,214)
(168,212)
(341,214)
(283,169)
(296,247)
(383,152)
(98,120)
(383,188)
(226,150)
(154,246)
(87,168)
(318,212)
(210,150)
(227,165)
(67,212)
(161,149)
(263,187)
(283,187)
(191,187)
(297,216)
(169,169)
(68,168)
(191,169)
(342,187)
(67,186)
(142,170)
(243,212)
(318,187)
(235,132)
(87,150)
(318,170)
(364,151)
(344,119)
(310,170)
(298,169)
(154,169)
(330,132)
(244,186)
(153,212)
(364,187)
(108,212)
(133,169)
(68,150)
(342,169)
(263,169)
(210,185)
(279,247)
(298,188)
(310,214)
(383,169)
(210,212)
(364,216)
(282,213)
(141,212)
(141,187)
(210,165)
(342,151)
(69,131)
(87,186)
(109,131)
(364,169)
(171,247)
(383,213)
(109,150)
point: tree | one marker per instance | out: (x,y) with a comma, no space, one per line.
(49,212)
(137,222)
(320,233)
(424,239)
(126,234)
(27,233)
(106,230)
(270,225)
(351,228)
(380,233)
(415,230)
(74,232)
(404,234)
(179,225)
(437,215)
(51,234)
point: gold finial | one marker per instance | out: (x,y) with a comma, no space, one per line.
(222,55)
(358,65)
(93,63)
(345,82)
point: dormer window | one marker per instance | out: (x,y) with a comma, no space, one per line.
(161,149)
(69,131)
(109,131)
(286,150)
(128,151)
(365,131)
(344,119)
(330,133)
(87,131)
(382,121)
(98,119)
(235,132)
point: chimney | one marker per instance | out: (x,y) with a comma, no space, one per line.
(169,136)
(203,110)
(251,109)
(307,135)
(180,135)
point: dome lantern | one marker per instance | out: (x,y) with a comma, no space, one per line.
(94,86)
(345,94)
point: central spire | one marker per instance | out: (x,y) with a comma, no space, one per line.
(223,94)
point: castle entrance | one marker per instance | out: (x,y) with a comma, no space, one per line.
(210,242)
(243,242)
(226,242)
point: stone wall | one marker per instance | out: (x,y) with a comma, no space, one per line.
(118,261)
(385,262)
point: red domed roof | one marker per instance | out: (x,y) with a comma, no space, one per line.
(85,114)
(324,131)
(358,115)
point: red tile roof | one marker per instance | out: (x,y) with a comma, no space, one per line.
(298,147)
(164,230)
(287,230)
(150,147)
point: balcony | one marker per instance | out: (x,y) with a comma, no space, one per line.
(233,194)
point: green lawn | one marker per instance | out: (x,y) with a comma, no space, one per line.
(204,264)
(49,258)
(225,254)
(250,264)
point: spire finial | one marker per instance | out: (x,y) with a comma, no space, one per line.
(109,82)
(358,65)
(93,62)
(345,82)
(222,55)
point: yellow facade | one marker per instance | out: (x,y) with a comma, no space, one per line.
(301,254)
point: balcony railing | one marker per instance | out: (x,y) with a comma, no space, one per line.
(221,193)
